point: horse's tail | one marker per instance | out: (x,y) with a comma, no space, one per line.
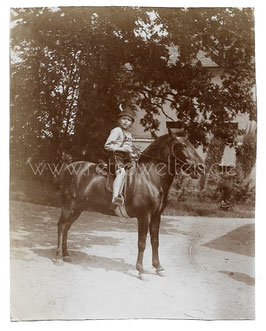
(58,176)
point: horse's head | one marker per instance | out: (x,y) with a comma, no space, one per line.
(186,158)
(176,151)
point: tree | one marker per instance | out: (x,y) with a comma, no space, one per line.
(77,64)
(226,36)
(73,73)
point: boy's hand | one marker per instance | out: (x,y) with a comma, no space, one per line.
(134,156)
(127,148)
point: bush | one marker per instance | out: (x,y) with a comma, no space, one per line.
(236,189)
(246,153)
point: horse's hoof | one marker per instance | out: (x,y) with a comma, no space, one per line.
(142,276)
(140,269)
(57,261)
(67,258)
(160,273)
(159,269)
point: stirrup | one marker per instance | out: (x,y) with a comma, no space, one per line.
(119,201)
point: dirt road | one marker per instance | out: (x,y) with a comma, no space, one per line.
(209,268)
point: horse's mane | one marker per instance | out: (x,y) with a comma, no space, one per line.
(156,148)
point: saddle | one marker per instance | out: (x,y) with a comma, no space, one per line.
(103,170)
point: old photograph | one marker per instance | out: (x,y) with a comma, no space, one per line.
(133,144)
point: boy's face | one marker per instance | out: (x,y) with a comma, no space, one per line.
(125,122)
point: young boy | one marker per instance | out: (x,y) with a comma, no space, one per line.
(119,146)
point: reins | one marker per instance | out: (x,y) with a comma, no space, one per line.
(165,161)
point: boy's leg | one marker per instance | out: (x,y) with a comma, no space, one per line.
(118,182)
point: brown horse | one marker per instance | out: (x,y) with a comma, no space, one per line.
(146,191)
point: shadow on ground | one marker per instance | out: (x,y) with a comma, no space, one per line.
(240,277)
(239,241)
(89,261)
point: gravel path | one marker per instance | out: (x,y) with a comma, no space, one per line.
(209,268)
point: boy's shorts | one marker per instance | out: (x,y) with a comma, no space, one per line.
(119,160)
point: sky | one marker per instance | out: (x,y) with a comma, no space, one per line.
(260,28)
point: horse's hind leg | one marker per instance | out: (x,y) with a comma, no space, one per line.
(71,219)
(154,233)
(65,213)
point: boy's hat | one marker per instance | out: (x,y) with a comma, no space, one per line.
(127,112)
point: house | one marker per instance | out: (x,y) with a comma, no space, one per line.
(143,139)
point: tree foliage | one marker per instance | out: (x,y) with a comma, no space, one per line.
(73,66)
(226,36)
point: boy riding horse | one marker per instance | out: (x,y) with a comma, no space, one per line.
(119,146)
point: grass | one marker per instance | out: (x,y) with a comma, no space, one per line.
(44,193)
(194,207)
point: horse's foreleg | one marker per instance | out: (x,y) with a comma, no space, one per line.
(72,218)
(143,224)
(154,233)
(60,230)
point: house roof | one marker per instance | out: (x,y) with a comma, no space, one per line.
(206,61)
(201,56)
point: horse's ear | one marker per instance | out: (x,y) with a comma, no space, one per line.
(177,132)
(175,129)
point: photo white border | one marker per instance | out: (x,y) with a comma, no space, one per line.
(260,29)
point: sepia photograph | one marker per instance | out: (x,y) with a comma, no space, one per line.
(133,152)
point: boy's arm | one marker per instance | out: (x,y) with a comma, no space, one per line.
(111,144)
(132,148)
(130,145)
